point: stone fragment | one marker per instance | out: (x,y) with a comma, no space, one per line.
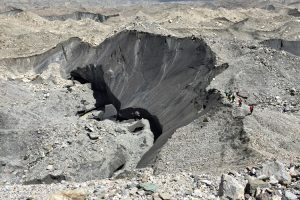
(94,114)
(276,169)
(206,182)
(197,193)
(93,135)
(69,195)
(25,80)
(206,119)
(165,196)
(68,83)
(230,188)
(133,190)
(46,95)
(297,185)
(89,127)
(278,192)
(141,192)
(254,185)
(253,171)
(110,112)
(136,126)
(263,196)
(150,187)
(263,177)
(276,197)
(293,91)
(50,167)
(155,196)
(289,195)
(120,130)
(98,114)
(273,180)
(294,173)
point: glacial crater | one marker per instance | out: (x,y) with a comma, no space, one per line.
(162,77)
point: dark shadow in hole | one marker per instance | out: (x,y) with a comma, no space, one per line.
(130,113)
(95,75)
(138,129)
(119,168)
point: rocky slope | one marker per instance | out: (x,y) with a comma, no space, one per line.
(270,180)
(50,142)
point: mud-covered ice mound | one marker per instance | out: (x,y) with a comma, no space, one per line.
(164,78)
(42,140)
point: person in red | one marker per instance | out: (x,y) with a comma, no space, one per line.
(240,101)
(251,107)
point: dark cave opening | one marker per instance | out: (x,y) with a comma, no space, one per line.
(130,113)
(103,96)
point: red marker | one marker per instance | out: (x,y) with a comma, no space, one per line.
(251,108)
(240,102)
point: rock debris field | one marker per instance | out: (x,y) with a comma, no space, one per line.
(193,100)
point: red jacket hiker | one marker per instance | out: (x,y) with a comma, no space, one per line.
(251,108)
(240,101)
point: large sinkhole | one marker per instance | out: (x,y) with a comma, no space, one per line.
(164,78)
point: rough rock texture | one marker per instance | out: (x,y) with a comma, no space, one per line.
(122,72)
(233,137)
(279,44)
(276,169)
(11,12)
(225,81)
(43,141)
(78,16)
(142,184)
(230,188)
(68,195)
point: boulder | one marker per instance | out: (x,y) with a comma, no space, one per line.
(276,197)
(230,188)
(93,135)
(149,187)
(273,180)
(289,195)
(139,125)
(98,114)
(297,185)
(254,185)
(165,196)
(241,112)
(277,169)
(263,196)
(294,173)
(68,195)
(110,112)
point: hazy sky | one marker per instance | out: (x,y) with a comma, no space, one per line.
(86,1)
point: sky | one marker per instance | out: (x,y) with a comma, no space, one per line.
(89,2)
